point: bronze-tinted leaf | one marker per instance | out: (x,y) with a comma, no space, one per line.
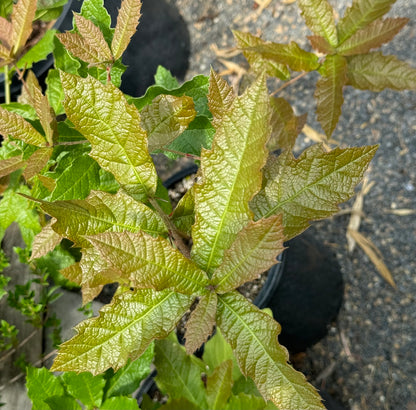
(22,17)
(37,161)
(45,241)
(5,32)
(221,96)
(9,165)
(320,44)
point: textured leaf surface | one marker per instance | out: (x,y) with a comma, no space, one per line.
(257,63)
(9,165)
(85,387)
(183,216)
(102,114)
(319,17)
(253,252)
(16,126)
(372,36)
(252,335)
(166,118)
(328,92)
(201,322)
(93,10)
(5,31)
(120,403)
(37,161)
(45,241)
(102,212)
(127,20)
(22,17)
(177,374)
(245,401)
(320,44)
(361,13)
(221,97)
(54,91)
(310,187)
(376,72)
(149,262)
(73,273)
(231,176)
(219,385)
(123,330)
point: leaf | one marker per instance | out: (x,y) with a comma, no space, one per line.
(320,44)
(63,59)
(176,404)
(183,216)
(123,330)
(258,64)
(16,126)
(376,72)
(289,54)
(253,252)
(93,37)
(164,78)
(177,374)
(22,17)
(319,17)
(24,110)
(359,15)
(45,241)
(73,273)
(102,114)
(101,212)
(201,322)
(127,20)
(37,161)
(372,36)
(221,97)
(329,90)
(231,176)
(54,91)
(166,118)
(219,385)
(77,180)
(9,165)
(252,335)
(148,262)
(245,401)
(126,379)
(95,11)
(62,402)
(310,187)
(41,384)
(120,403)
(85,387)
(5,32)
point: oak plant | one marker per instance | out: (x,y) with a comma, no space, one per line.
(92,173)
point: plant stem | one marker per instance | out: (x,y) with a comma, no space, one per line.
(293,80)
(6,84)
(22,343)
(172,229)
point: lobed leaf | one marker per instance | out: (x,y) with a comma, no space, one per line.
(119,144)
(254,251)
(319,17)
(201,322)
(252,335)
(101,212)
(219,385)
(230,176)
(45,241)
(360,14)
(372,36)
(257,63)
(127,20)
(9,165)
(123,330)
(310,187)
(166,118)
(22,16)
(375,72)
(329,90)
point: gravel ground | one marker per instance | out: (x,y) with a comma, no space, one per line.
(368,359)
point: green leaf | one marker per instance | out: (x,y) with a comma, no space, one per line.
(127,20)
(95,11)
(252,335)
(41,384)
(77,180)
(197,89)
(258,64)
(37,162)
(329,90)
(178,404)
(372,36)
(288,54)
(164,78)
(126,379)
(219,385)
(359,15)
(376,72)
(102,114)
(62,402)
(319,17)
(231,176)
(39,51)
(183,216)
(310,187)
(166,118)
(16,126)
(102,212)
(24,110)
(123,330)
(120,403)
(201,322)
(254,251)
(85,387)
(63,60)
(245,401)
(177,373)
(147,262)
(9,165)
